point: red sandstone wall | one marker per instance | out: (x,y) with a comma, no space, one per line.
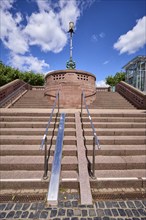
(70,84)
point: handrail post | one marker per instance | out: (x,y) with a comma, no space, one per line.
(45,160)
(81,105)
(58,103)
(93,161)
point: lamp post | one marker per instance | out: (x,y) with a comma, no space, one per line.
(71,64)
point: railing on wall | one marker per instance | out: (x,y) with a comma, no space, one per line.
(133,95)
(11,91)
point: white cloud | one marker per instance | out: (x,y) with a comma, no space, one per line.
(46,28)
(106,62)
(102,35)
(94,38)
(6,4)
(69,12)
(48,35)
(28,63)
(11,34)
(101,84)
(134,39)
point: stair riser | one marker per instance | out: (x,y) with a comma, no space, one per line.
(31,119)
(140,125)
(35,152)
(33,125)
(116,133)
(138,120)
(74,152)
(116,142)
(31,133)
(116,184)
(36,167)
(25,185)
(119,166)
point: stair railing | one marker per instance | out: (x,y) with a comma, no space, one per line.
(43,145)
(95,138)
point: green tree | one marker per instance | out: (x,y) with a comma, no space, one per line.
(113,80)
(8,74)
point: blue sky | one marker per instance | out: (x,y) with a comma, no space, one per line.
(108,34)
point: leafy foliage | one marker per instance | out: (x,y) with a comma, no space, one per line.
(8,74)
(113,80)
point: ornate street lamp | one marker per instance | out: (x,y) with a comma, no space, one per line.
(71,64)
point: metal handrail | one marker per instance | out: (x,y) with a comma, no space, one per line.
(44,139)
(95,139)
(49,121)
(12,95)
(83,100)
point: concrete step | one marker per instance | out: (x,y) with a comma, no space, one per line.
(116,132)
(25,140)
(111,100)
(106,179)
(36,131)
(7,150)
(119,162)
(33,125)
(35,163)
(32,119)
(118,140)
(115,119)
(117,150)
(16,179)
(115,125)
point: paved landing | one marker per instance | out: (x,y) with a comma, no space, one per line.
(69,209)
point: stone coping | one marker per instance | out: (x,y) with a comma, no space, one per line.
(70,71)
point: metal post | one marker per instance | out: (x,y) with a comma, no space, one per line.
(93,162)
(58,103)
(70,45)
(45,160)
(81,105)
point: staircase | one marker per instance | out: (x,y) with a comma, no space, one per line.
(33,99)
(120,162)
(22,162)
(110,100)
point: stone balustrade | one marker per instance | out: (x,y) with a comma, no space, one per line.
(136,97)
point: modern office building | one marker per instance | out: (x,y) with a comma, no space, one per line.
(136,73)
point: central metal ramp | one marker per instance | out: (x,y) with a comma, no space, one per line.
(52,197)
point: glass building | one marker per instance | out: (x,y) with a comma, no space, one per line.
(136,73)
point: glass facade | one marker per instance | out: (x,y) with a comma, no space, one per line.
(136,73)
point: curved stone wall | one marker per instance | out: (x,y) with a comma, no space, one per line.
(70,84)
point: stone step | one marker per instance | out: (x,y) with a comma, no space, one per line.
(35,163)
(71,150)
(33,119)
(117,150)
(115,125)
(34,113)
(17,179)
(116,132)
(27,150)
(36,131)
(104,140)
(119,162)
(115,119)
(34,140)
(118,140)
(33,125)
(106,179)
